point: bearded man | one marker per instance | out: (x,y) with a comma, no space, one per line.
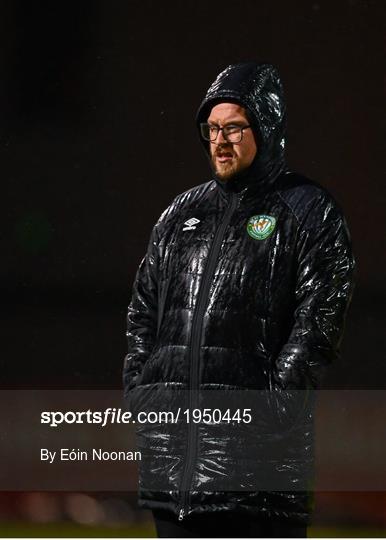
(244,290)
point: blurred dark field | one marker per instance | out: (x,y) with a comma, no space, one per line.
(97,136)
(337,515)
(73,514)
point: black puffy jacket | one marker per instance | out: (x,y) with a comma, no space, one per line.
(243,290)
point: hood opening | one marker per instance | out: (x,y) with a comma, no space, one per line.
(257,88)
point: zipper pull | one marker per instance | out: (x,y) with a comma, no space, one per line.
(181,514)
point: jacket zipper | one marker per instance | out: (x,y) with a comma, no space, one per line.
(195,343)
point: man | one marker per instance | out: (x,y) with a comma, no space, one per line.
(244,288)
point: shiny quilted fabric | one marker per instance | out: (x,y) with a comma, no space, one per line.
(216,308)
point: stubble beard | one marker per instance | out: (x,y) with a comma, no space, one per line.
(224,171)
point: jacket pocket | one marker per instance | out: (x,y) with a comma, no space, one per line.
(139,398)
(289,408)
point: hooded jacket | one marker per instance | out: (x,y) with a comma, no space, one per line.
(243,291)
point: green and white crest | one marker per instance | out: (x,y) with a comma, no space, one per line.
(261,226)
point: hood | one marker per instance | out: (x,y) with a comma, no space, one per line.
(256,87)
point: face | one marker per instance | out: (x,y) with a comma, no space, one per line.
(231,158)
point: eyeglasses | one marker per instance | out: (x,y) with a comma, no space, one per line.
(232,134)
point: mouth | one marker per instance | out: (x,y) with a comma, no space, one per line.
(224,157)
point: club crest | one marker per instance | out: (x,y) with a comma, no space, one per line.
(261,226)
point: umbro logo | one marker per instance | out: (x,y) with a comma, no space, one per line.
(191,224)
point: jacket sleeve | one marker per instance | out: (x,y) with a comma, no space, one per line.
(142,316)
(324,285)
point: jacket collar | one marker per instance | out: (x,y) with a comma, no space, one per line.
(251,183)
(257,87)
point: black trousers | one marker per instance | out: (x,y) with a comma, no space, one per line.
(224,525)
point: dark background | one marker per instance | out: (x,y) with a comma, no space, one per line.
(97,136)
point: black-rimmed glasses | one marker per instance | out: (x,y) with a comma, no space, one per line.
(232,134)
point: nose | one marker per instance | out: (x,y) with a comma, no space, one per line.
(220,139)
